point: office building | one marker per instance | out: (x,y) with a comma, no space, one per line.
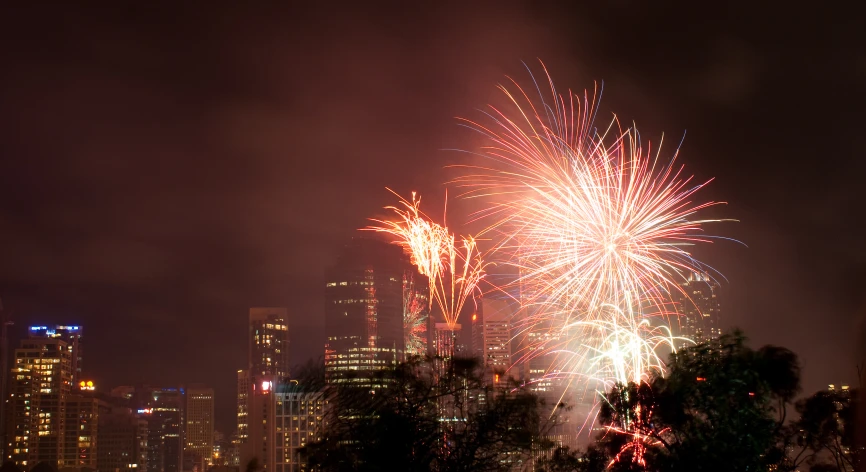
(221,447)
(416,313)
(163,409)
(698,307)
(22,389)
(446,340)
(244,390)
(268,358)
(122,435)
(36,424)
(72,335)
(269,342)
(81,442)
(293,416)
(364,311)
(495,334)
(199,430)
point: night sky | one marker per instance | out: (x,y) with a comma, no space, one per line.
(164,169)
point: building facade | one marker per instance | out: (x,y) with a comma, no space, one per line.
(244,389)
(122,437)
(364,325)
(199,431)
(268,358)
(495,334)
(72,334)
(293,416)
(82,440)
(36,424)
(163,410)
(269,341)
(698,308)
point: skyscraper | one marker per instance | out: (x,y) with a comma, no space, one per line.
(122,440)
(163,410)
(698,307)
(200,425)
(495,336)
(292,414)
(244,391)
(22,389)
(81,441)
(269,341)
(69,333)
(36,424)
(364,311)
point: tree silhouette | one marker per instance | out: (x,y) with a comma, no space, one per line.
(435,414)
(721,406)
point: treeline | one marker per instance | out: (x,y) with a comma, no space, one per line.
(721,406)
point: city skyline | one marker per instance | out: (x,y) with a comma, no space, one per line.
(159,241)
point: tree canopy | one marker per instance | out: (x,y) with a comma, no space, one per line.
(435,414)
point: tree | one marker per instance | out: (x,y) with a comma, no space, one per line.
(721,406)
(826,428)
(433,415)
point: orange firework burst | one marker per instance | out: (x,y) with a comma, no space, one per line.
(599,229)
(453,269)
(585,220)
(464,270)
(425,241)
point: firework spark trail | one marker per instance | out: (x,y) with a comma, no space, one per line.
(600,232)
(454,267)
(606,222)
(464,269)
(613,345)
(414,318)
(425,241)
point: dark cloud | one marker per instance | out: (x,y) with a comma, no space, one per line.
(166,167)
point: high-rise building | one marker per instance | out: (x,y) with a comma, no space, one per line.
(22,390)
(446,341)
(416,313)
(221,446)
(698,307)
(299,419)
(122,438)
(269,342)
(244,389)
(81,442)
(294,416)
(200,425)
(234,452)
(364,311)
(36,425)
(163,409)
(495,334)
(69,333)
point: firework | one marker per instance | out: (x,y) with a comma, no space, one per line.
(414,318)
(453,266)
(464,269)
(614,345)
(599,229)
(586,220)
(425,241)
